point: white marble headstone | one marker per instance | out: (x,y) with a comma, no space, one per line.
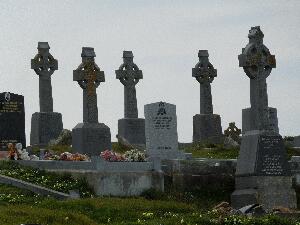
(161,131)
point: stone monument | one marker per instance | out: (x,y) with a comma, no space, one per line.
(12,120)
(131,128)
(161,131)
(206,125)
(90,137)
(263,175)
(46,124)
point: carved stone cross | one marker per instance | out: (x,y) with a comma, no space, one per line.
(129,75)
(89,77)
(44,65)
(205,73)
(257,63)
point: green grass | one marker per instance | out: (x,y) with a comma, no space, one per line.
(58,182)
(120,211)
(217,151)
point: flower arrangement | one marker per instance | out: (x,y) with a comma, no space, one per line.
(132,155)
(66,156)
(112,156)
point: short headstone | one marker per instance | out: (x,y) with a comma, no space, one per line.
(161,131)
(263,175)
(46,124)
(131,128)
(90,137)
(12,120)
(206,125)
(233,132)
(296,141)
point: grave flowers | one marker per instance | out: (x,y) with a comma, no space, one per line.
(132,155)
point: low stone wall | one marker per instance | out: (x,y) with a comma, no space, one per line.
(109,178)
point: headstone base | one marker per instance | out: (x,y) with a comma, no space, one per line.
(45,126)
(263,174)
(167,154)
(91,138)
(132,130)
(269,191)
(248,121)
(207,127)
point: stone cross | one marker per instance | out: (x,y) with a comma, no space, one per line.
(89,77)
(233,132)
(129,75)
(257,63)
(205,73)
(44,65)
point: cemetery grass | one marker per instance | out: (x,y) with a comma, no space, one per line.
(172,207)
(96,211)
(218,151)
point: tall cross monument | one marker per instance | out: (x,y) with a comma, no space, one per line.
(131,129)
(263,174)
(206,125)
(90,137)
(46,124)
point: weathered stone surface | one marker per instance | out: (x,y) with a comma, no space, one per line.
(161,131)
(12,120)
(132,129)
(233,132)
(90,137)
(45,126)
(296,141)
(248,124)
(263,174)
(206,126)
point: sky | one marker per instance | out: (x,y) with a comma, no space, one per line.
(165,37)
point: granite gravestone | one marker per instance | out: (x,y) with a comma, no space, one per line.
(263,175)
(161,131)
(206,125)
(130,128)
(90,137)
(12,120)
(46,124)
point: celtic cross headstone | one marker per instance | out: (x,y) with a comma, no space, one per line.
(46,124)
(89,77)
(206,125)
(131,129)
(263,174)
(90,137)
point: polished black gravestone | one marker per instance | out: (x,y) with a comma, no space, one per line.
(263,175)
(46,124)
(12,120)
(131,128)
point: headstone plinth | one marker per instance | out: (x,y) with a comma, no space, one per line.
(247,120)
(206,125)
(207,128)
(12,120)
(131,128)
(90,137)
(263,175)
(46,124)
(161,131)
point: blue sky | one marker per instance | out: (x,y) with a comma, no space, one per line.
(165,37)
